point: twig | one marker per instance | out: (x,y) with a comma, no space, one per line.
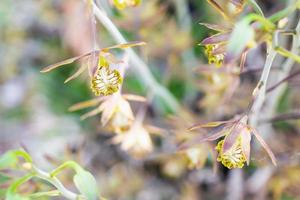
(140,68)
(269,109)
(270,89)
(287,65)
(295,115)
(261,92)
(56,183)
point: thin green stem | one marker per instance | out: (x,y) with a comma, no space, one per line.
(23,154)
(52,193)
(56,183)
(68,164)
(265,22)
(283,13)
(14,186)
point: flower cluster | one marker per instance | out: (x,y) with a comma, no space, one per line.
(193,156)
(117,116)
(136,140)
(234,157)
(234,149)
(104,80)
(230,42)
(216,45)
(197,156)
(116,112)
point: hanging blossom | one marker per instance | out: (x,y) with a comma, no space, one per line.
(234,149)
(194,156)
(135,141)
(215,45)
(116,113)
(197,155)
(105,81)
(224,47)
(122,4)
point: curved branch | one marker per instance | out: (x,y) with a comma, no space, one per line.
(56,183)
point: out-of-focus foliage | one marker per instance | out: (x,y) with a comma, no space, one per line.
(83,180)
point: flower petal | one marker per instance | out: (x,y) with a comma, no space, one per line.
(219,8)
(77,73)
(108,111)
(215,39)
(210,124)
(264,145)
(133,97)
(245,140)
(232,137)
(124,46)
(86,104)
(201,139)
(65,62)
(92,113)
(215,27)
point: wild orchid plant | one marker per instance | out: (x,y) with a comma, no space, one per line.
(225,49)
(226,52)
(117,115)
